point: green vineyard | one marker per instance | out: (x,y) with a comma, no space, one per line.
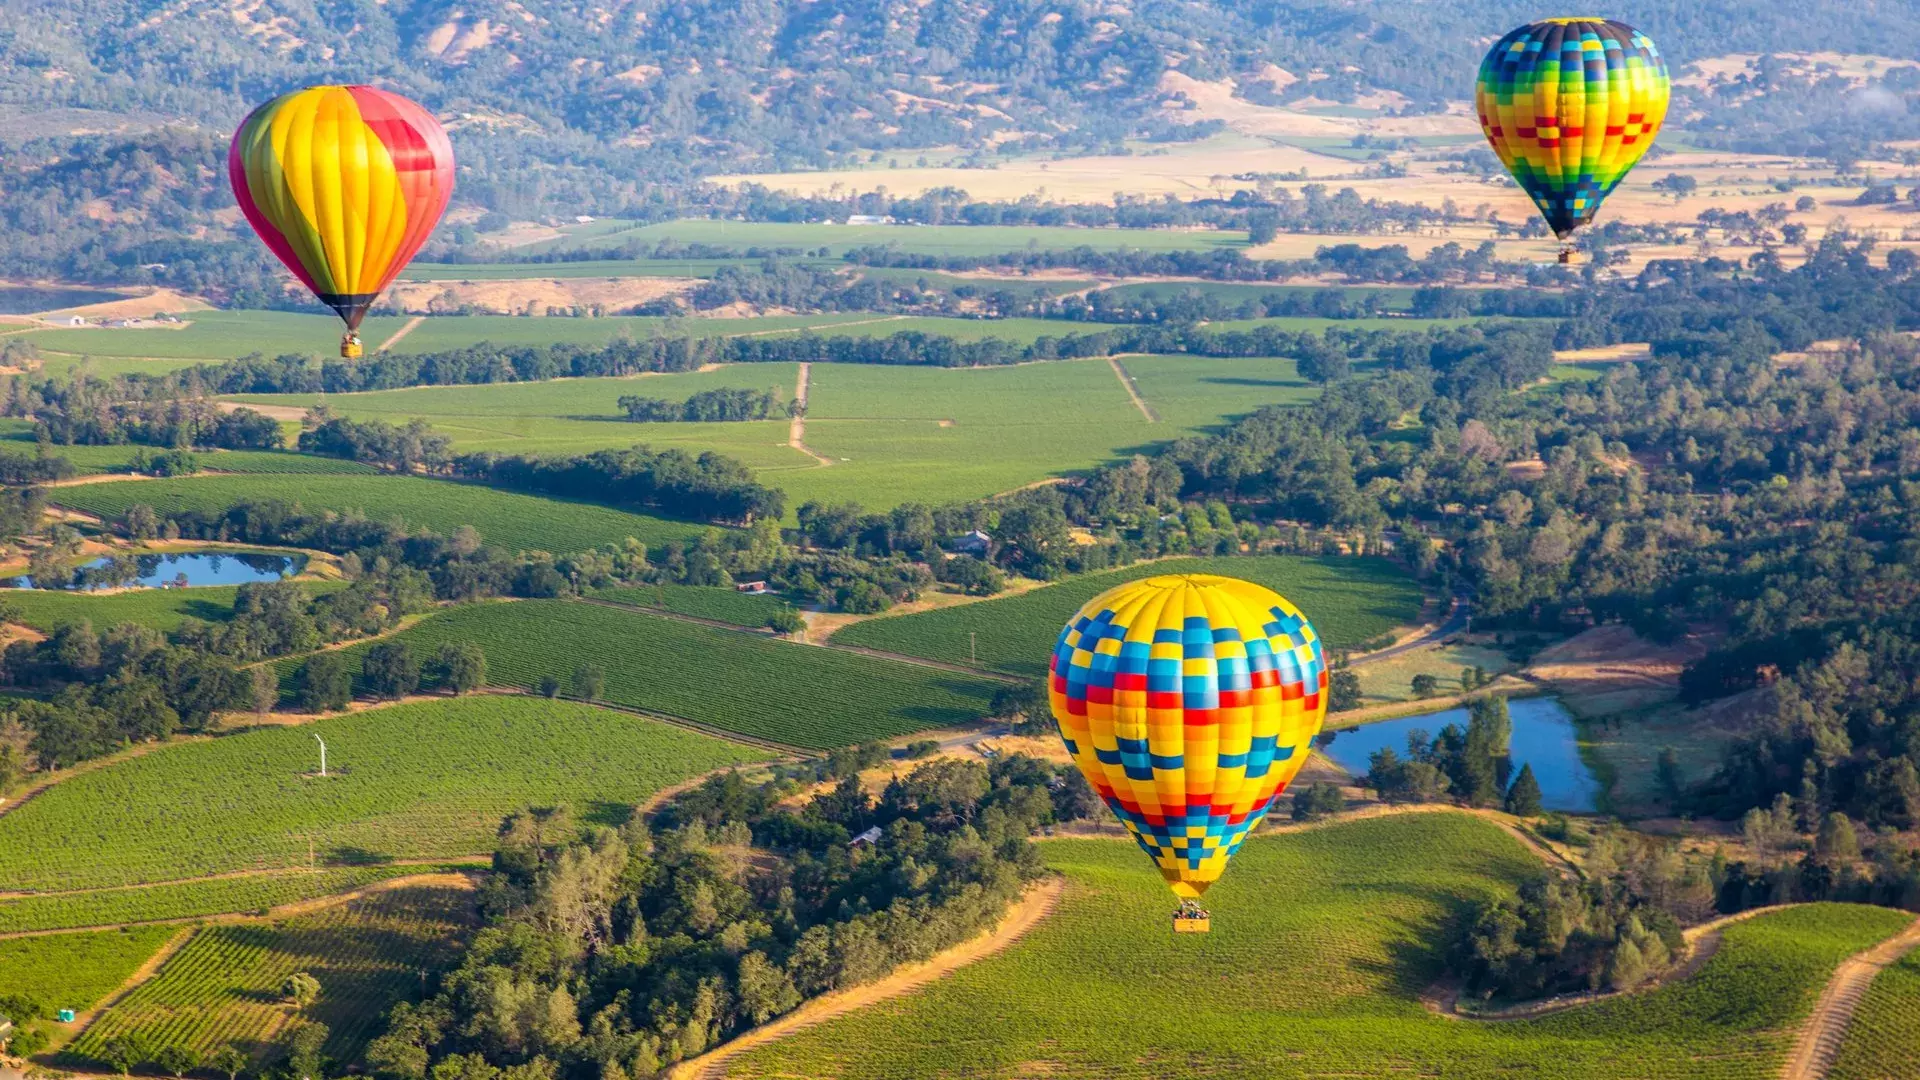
(420,781)
(1322,944)
(1347,600)
(798,695)
(186,899)
(506,519)
(1883,1042)
(222,987)
(75,971)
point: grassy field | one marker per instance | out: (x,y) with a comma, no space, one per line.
(223,987)
(1883,1042)
(75,971)
(1321,944)
(162,609)
(425,780)
(726,605)
(505,519)
(458,331)
(216,335)
(1347,600)
(188,899)
(1391,679)
(798,695)
(894,434)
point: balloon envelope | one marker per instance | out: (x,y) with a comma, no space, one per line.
(1188,701)
(1570,105)
(344,183)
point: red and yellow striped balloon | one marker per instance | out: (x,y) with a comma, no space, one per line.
(344,183)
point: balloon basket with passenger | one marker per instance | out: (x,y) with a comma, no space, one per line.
(1191,918)
(350,347)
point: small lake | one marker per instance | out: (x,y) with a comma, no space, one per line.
(27,299)
(190,568)
(1543,736)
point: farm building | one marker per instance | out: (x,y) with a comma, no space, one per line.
(757,588)
(871,836)
(974,543)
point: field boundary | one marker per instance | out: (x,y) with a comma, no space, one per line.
(407,328)
(289,909)
(1126,383)
(797,427)
(148,969)
(1820,1038)
(1023,915)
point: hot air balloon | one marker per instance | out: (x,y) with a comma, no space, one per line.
(344,183)
(1188,701)
(1570,105)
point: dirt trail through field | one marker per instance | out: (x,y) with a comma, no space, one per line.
(289,910)
(797,427)
(1820,1039)
(1038,902)
(409,327)
(1126,383)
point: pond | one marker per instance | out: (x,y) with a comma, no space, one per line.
(1543,736)
(190,568)
(27,299)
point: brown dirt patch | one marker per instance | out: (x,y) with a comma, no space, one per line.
(1610,669)
(534,296)
(1604,354)
(148,304)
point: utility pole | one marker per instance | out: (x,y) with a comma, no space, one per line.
(323,754)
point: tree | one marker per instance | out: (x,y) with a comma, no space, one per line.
(1424,685)
(786,619)
(549,686)
(589,680)
(1025,705)
(1837,843)
(176,1060)
(303,1045)
(10,767)
(1667,774)
(390,670)
(461,668)
(1343,689)
(263,688)
(300,989)
(323,684)
(228,1061)
(123,1052)
(1317,801)
(1523,798)
(765,990)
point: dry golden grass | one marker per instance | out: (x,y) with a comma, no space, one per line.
(533,296)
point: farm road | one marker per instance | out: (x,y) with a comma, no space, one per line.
(1819,1041)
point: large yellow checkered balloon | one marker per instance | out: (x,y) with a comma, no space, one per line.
(1189,701)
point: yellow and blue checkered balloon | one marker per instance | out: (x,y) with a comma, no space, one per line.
(1189,701)
(1570,105)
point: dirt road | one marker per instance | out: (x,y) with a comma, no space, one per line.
(1819,1041)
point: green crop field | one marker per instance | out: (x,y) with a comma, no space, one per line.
(161,609)
(894,434)
(75,971)
(799,695)
(426,780)
(1347,600)
(223,987)
(505,519)
(190,899)
(217,335)
(1322,942)
(726,605)
(458,331)
(1883,1042)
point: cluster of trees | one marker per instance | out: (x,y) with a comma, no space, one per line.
(707,406)
(635,948)
(402,448)
(93,412)
(699,487)
(1391,264)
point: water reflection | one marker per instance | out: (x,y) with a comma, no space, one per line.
(172,571)
(1543,736)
